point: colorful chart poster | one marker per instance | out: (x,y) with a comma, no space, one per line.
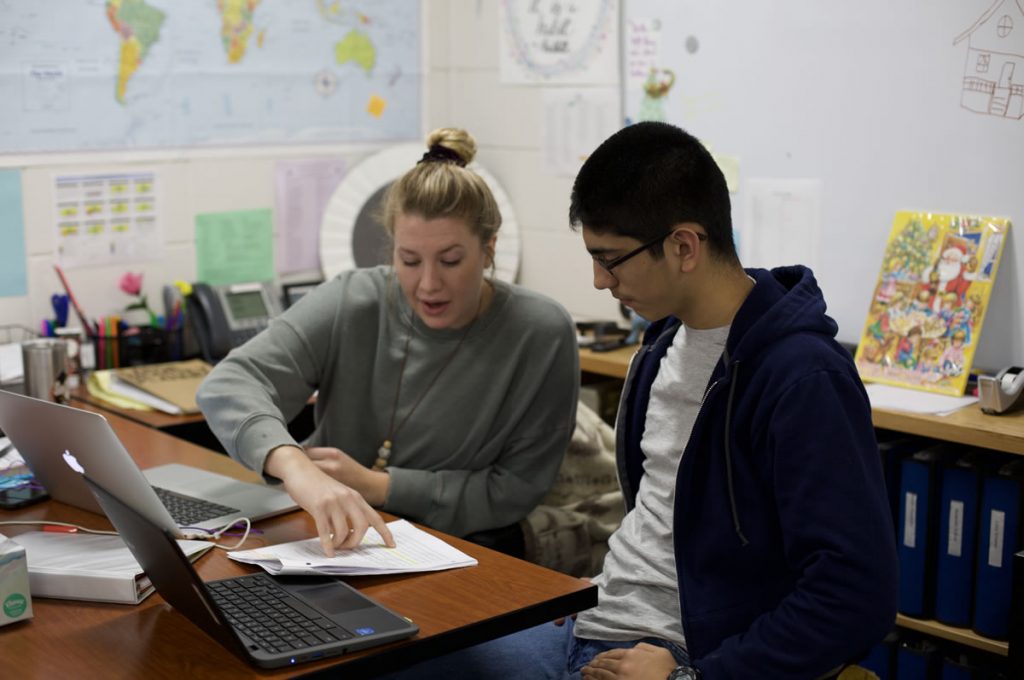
(928,306)
(107,218)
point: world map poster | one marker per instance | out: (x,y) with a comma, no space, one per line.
(158,73)
(927,309)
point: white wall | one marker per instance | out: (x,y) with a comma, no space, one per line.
(465,91)
(465,84)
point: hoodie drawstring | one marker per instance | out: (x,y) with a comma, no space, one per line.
(728,455)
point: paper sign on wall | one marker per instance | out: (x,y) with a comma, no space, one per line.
(235,247)
(107,218)
(12,235)
(576,121)
(552,41)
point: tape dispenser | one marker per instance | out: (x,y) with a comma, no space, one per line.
(1003,392)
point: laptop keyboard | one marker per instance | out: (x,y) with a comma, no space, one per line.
(272,618)
(187,511)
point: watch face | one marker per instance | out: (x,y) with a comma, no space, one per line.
(682,673)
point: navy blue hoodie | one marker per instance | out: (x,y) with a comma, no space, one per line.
(785,554)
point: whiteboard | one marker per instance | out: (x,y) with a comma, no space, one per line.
(868,100)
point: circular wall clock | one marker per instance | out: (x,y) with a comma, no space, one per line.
(351,235)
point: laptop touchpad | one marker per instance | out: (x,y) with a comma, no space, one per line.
(334,600)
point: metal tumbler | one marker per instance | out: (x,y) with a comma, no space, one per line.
(45,368)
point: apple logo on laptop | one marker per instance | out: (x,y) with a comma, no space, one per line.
(73,462)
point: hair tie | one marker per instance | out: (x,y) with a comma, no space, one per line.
(442,154)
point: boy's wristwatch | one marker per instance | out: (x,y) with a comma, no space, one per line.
(684,673)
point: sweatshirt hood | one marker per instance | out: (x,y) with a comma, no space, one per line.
(784,301)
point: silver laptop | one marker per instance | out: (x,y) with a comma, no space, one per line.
(53,438)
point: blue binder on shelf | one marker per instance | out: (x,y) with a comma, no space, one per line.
(894,447)
(957,541)
(919,481)
(882,658)
(998,540)
(916,660)
(961,667)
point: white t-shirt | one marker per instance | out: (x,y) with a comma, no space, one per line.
(637,588)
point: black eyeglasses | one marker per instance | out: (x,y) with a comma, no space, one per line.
(612,264)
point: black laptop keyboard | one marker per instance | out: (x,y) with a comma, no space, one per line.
(272,618)
(187,511)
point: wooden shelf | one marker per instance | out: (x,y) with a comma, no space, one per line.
(964,636)
(966,426)
(971,427)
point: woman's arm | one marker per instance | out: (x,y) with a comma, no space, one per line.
(341,513)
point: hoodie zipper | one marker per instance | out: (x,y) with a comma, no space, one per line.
(728,449)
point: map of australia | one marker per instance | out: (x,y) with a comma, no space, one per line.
(163,73)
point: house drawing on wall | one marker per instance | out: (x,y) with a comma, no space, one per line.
(994,72)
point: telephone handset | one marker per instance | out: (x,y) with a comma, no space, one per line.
(225,317)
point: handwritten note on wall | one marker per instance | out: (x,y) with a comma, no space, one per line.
(559,42)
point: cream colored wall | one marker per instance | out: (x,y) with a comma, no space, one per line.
(465,90)
(190,184)
(461,87)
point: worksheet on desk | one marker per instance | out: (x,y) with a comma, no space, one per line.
(415,550)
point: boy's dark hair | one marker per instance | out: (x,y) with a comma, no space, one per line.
(647,178)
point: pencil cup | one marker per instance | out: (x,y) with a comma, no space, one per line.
(45,368)
(138,345)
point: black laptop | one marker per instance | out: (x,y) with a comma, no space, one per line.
(268,621)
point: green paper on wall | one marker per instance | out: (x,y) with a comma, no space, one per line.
(235,247)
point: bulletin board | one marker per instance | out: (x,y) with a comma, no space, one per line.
(875,107)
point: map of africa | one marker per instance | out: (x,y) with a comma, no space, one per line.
(157,73)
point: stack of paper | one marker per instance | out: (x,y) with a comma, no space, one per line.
(914,401)
(169,387)
(416,551)
(89,566)
(10,363)
(9,456)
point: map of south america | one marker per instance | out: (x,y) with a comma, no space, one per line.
(138,26)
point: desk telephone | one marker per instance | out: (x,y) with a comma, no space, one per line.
(224,317)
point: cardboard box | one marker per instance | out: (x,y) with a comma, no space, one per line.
(15,599)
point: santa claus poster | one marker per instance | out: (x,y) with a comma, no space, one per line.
(927,309)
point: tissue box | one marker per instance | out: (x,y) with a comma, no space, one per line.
(15,600)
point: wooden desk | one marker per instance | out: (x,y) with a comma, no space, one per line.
(453,609)
(613,364)
(82,398)
(191,427)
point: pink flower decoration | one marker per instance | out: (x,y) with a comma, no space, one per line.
(131,283)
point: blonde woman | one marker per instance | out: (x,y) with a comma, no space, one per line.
(445,396)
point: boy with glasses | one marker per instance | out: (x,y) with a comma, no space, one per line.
(758,541)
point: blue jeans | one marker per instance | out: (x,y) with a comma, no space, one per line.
(546,652)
